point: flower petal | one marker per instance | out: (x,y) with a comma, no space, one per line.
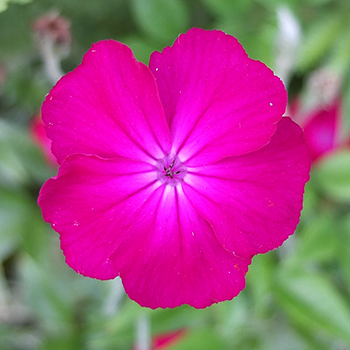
(171,257)
(109,94)
(321,130)
(92,203)
(218,102)
(253,202)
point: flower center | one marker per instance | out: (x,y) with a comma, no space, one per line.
(170,170)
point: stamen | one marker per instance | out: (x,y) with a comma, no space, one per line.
(171,170)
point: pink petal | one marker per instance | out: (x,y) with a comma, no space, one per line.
(175,201)
(165,340)
(253,202)
(218,102)
(321,130)
(108,106)
(92,203)
(171,256)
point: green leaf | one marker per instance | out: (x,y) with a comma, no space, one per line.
(277,333)
(227,8)
(313,302)
(115,331)
(36,234)
(12,170)
(314,241)
(26,87)
(4,3)
(345,132)
(339,59)
(21,161)
(204,339)
(260,46)
(66,341)
(141,49)
(16,216)
(259,278)
(343,253)
(333,176)
(320,36)
(46,295)
(162,20)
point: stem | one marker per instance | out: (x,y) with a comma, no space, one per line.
(143,333)
(116,293)
(52,61)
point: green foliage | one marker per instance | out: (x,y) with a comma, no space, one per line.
(163,20)
(313,302)
(5,3)
(228,8)
(321,35)
(203,339)
(333,176)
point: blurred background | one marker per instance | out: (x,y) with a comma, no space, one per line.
(297,297)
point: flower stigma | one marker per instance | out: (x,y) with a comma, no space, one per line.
(170,170)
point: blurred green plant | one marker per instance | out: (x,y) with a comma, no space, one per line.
(5,3)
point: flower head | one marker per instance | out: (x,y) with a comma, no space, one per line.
(322,128)
(174,176)
(54,26)
(319,113)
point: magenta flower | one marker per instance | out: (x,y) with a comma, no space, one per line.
(322,128)
(166,340)
(172,177)
(38,134)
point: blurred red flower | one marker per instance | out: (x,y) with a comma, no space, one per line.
(322,127)
(164,340)
(38,134)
